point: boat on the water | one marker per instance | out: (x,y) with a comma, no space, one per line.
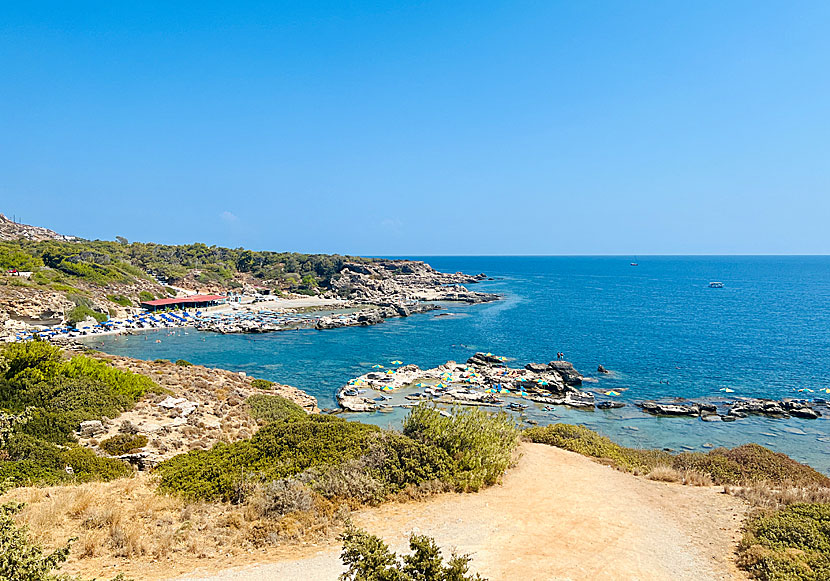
(716,285)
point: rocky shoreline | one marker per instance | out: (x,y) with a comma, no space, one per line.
(486,380)
(372,292)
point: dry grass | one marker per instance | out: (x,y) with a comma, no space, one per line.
(126,524)
(665,474)
(767,496)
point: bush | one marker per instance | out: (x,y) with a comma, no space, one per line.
(588,443)
(120,300)
(403,462)
(262,384)
(82,313)
(55,396)
(34,461)
(480,444)
(273,408)
(144,296)
(278,450)
(183,363)
(745,464)
(368,558)
(123,444)
(278,498)
(20,558)
(790,544)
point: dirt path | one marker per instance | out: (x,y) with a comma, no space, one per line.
(557,516)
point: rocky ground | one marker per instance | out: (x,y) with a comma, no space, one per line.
(11,230)
(201,406)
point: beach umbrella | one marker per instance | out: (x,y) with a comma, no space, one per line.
(390,372)
(543,383)
(377,366)
(396,362)
(727,390)
(612,392)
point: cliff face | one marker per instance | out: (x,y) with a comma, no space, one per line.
(394,281)
(10,230)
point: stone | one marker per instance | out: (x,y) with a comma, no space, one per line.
(91,428)
(609,405)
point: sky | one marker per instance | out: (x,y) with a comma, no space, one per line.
(422,128)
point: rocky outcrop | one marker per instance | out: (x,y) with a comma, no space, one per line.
(734,409)
(799,408)
(10,230)
(401,281)
(566,370)
(199,408)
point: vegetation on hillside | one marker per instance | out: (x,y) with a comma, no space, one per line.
(63,265)
(792,544)
(745,464)
(340,459)
(44,398)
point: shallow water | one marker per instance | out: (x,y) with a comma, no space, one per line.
(766,334)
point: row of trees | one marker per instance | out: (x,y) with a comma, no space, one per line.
(102,262)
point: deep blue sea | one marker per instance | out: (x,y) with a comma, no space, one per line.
(658,326)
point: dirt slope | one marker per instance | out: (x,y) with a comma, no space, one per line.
(557,516)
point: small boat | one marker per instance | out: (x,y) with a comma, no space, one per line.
(517,406)
(715,284)
(634,264)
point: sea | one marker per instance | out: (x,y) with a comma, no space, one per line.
(658,327)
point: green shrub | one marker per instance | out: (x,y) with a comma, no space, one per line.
(183,363)
(368,558)
(144,296)
(34,461)
(480,444)
(278,450)
(20,558)
(82,313)
(404,462)
(745,464)
(273,408)
(120,300)
(123,444)
(262,384)
(583,441)
(788,545)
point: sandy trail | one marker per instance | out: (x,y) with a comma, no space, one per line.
(557,516)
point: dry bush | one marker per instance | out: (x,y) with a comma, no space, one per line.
(278,498)
(766,495)
(350,480)
(695,478)
(421,491)
(665,474)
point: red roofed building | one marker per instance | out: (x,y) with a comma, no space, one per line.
(193,301)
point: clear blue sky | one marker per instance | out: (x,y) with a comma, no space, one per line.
(385,128)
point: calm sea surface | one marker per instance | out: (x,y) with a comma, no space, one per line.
(765,334)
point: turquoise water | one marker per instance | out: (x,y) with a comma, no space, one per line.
(766,334)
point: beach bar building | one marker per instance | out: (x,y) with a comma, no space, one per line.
(191,302)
